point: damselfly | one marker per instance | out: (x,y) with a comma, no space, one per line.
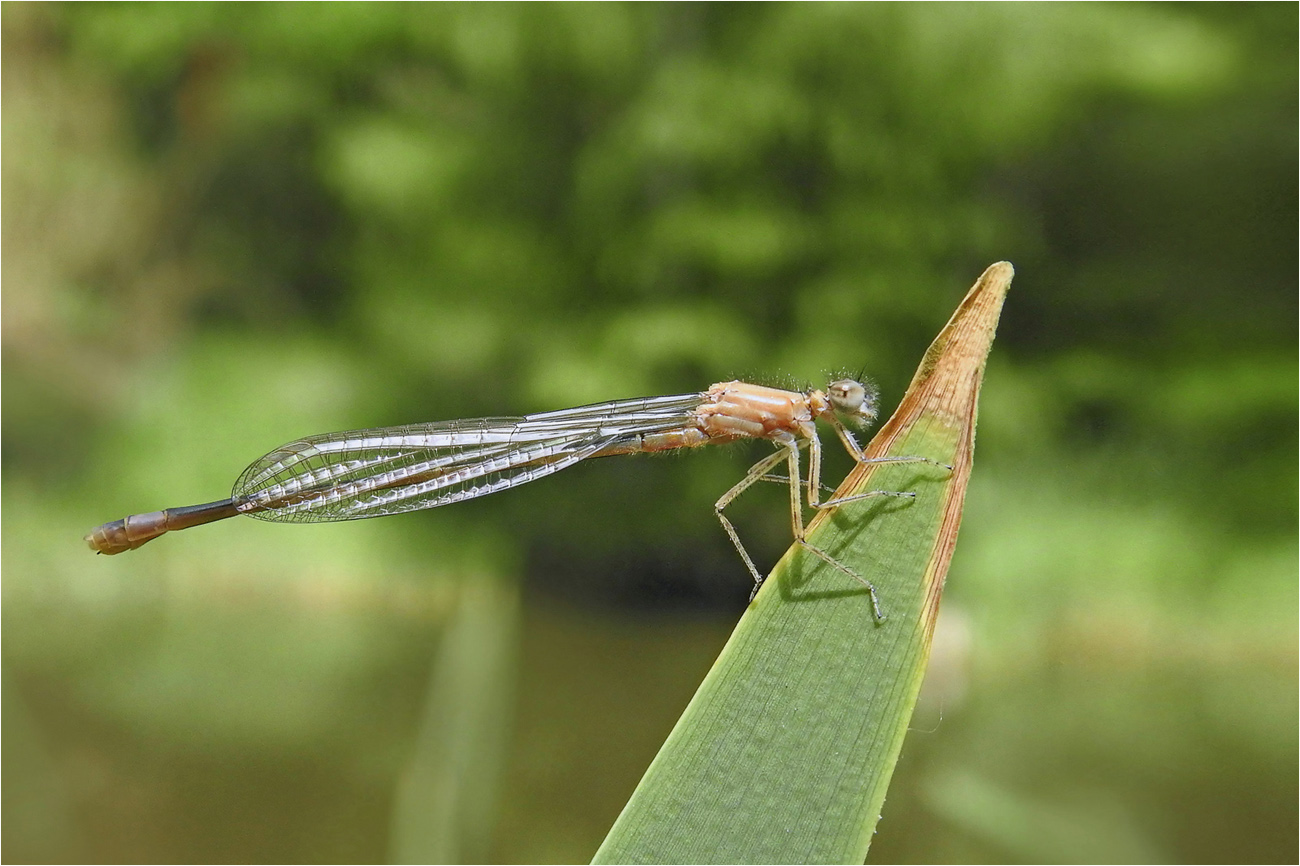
(368,473)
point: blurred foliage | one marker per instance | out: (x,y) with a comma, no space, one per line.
(227,226)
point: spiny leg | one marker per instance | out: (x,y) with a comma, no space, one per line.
(830,560)
(855,450)
(815,471)
(814,487)
(759,472)
(851,445)
(814,484)
(857,497)
(785,479)
(755,474)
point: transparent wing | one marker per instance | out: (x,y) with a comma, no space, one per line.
(368,473)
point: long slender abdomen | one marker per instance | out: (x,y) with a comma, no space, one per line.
(131,532)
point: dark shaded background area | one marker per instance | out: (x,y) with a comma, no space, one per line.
(227,226)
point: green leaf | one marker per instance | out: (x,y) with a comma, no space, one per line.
(785,752)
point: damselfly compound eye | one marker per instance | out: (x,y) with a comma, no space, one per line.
(853,400)
(846,396)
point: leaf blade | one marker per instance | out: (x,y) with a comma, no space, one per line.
(785,752)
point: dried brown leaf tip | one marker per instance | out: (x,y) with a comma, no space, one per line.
(937,415)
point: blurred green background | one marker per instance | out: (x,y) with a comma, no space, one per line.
(227,226)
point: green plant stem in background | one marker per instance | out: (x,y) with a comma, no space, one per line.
(786,751)
(444,805)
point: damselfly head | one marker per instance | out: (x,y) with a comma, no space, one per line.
(853,400)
